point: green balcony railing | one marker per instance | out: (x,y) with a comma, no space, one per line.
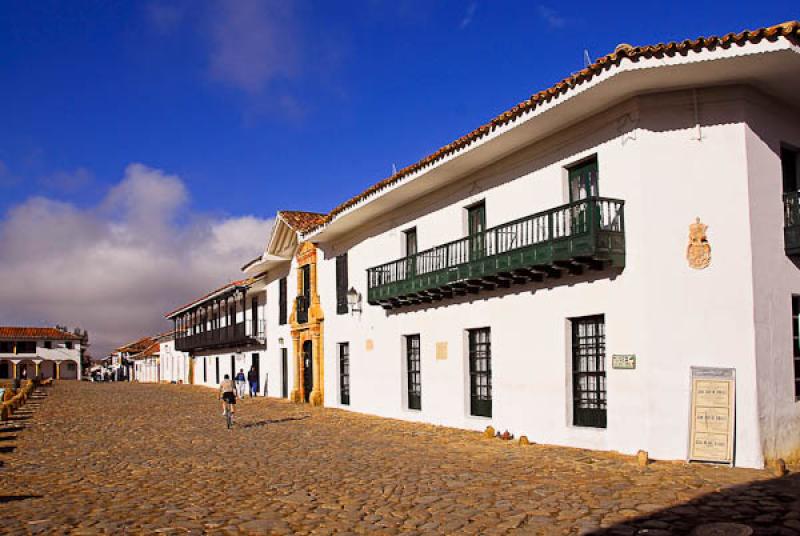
(791,223)
(590,231)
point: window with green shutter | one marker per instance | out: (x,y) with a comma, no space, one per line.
(341,284)
(282,302)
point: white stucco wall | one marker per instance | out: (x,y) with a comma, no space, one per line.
(70,359)
(776,278)
(174,364)
(671,316)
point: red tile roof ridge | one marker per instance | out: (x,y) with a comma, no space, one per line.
(301,220)
(137,345)
(789,29)
(34,332)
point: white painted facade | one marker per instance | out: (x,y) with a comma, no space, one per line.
(147,370)
(54,358)
(708,151)
(174,364)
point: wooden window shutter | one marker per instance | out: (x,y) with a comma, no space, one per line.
(341,284)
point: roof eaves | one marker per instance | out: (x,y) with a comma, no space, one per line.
(789,30)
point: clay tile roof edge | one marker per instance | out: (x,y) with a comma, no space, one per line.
(27,332)
(789,30)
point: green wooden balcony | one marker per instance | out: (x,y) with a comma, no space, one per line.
(791,223)
(586,234)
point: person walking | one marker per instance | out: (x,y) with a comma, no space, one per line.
(252,379)
(240,383)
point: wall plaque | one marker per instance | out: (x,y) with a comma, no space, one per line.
(441,350)
(713,414)
(623,361)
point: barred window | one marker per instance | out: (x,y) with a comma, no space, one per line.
(413,368)
(344,373)
(480,372)
(589,371)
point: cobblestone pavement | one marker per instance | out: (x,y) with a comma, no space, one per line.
(144,459)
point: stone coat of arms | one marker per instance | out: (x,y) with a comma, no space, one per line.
(698,252)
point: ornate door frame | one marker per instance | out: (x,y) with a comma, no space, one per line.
(312,330)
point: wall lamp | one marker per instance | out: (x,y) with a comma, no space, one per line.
(354,300)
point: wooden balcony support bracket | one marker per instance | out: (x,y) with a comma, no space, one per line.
(498,281)
(572,267)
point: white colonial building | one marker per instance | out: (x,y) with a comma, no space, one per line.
(611,264)
(174,363)
(26,352)
(223,332)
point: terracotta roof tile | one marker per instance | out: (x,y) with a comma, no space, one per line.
(9,332)
(137,346)
(149,351)
(302,221)
(789,30)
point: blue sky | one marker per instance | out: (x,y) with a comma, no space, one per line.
(287,105)
(145,146)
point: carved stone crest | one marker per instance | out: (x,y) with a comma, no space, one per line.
(698,252)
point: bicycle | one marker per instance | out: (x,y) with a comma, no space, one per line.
(228,415)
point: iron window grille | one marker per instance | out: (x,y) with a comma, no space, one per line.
(344,373)
(589,371)
(480,372)
(414,372)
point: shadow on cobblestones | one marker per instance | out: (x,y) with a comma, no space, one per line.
(770,507)
(13,498)
(258,424)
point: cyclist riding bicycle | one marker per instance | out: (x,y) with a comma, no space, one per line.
(227,393)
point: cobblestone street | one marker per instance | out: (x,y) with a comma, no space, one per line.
(129,458)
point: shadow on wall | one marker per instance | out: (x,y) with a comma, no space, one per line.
(564,279)
(767,507)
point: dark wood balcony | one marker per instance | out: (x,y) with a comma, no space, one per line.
(234,335)
(586,234)
(791,223)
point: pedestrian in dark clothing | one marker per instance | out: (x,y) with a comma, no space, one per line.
(252,378)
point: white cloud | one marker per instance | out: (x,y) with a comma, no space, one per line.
(469,15)
(253,43)
(551,17)
(116,268)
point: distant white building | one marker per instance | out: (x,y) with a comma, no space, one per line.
(146,364)
(611,264)
(122,359)
(29,351)
(174,363)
